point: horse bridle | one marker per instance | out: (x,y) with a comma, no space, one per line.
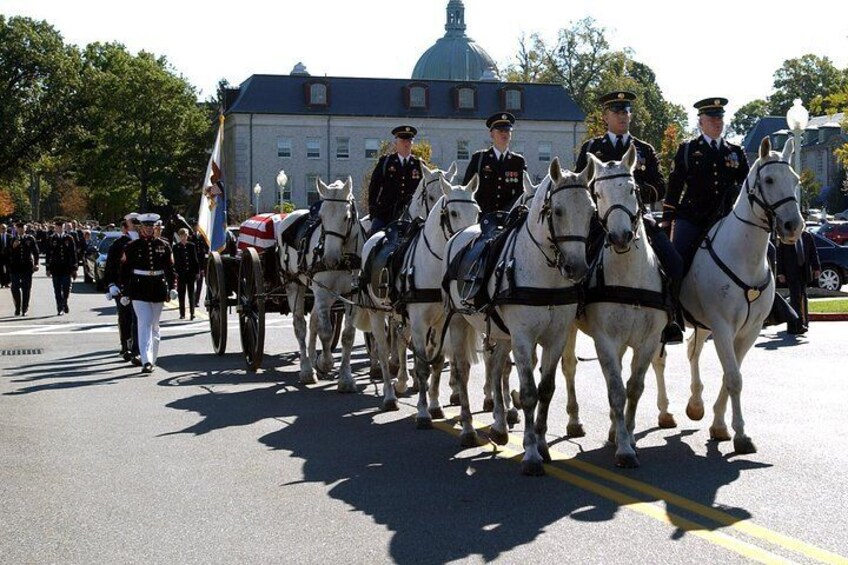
(353,219)
(769,209)
(634,216)
(444,221)
(546,214)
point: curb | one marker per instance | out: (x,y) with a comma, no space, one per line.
(826,317)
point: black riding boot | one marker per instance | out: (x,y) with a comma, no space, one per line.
(673,333)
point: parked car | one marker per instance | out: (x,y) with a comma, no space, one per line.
(834,263)
(834,231)
(87,270)
(94,261)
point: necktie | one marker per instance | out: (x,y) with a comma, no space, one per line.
(500,159)
(619,143)
(714,145)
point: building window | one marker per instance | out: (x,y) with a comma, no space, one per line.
(512,99)
(372,147)
(342,148)
(417,97)
(313,148)
(462,150)
(312,195)
(544,151)
(517,147)
(284,147)
(318,94)
(286,195)
(465,98)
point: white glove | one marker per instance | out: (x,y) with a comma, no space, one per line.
(172,294)
(125,301)
(114,291)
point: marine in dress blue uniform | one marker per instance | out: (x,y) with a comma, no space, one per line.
(62,265)
(500,171)
(147,280)
(394,180)
(22,262)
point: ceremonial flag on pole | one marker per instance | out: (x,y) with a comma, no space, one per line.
(212,217)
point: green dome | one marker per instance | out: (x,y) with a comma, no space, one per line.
(455,56)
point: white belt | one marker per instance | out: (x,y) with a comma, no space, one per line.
(148,273)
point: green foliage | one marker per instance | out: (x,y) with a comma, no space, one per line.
(747,116)
(805,77)
(39,101)
(838,306)
(810,188)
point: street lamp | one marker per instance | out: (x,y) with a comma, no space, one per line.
(257,190)
(797,118)
(282,180)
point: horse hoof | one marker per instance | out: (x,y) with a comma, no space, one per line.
(347,387)
(744,445)
(468,439)
(545,453)
(307,379)
(423,423)
(454,399)
(498,437)
(400,387)
(488,405)
(437,413)
(719,434)
(390,406)
(512,417)
(695,412)
(516,399)
(324,376)
(414,389)
(575,430)
(627,461)
(611,437)
(666,421)
(532,468)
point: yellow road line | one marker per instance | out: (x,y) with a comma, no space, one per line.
(649,509)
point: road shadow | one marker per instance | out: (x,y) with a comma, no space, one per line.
(441,502)
(780,339)
(71,372)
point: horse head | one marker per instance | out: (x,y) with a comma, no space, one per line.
(428,190)
(338,217)
(530,189)
(772,185)
(617,199)
(456,209)
(567,208)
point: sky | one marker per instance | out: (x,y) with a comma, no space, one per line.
(717,49)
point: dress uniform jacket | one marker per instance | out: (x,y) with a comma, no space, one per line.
(185,261)
(23,254)
(112,275)
(647,174)
(147,270)
(706,187)
(62,254)
(392,186)
(501,183)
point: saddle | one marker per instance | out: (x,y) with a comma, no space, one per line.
(385,262)
(299,233)
(472,266)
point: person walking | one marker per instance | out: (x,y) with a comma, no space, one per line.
(22,263)
(147,281)
(5,242)
(797,266)
(61,265)
(127,322)
(187,268)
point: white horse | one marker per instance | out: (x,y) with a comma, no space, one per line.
(332,254)
(729,288)
(456,209)
(542,261)
(625,306)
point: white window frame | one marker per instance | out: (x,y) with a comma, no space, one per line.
(313,144)
(545,151)
(417,97)
(374,150)
(318,94)
(512,94)
(465,102)
(312,195)
(342,148)
(284,147)
(463,150)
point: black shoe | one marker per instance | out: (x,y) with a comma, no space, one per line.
(135,360)
(127,356)
(148,368)
(672,333)
(182,317)
(60,313)
(17,312)
(67,311)
(25,313)
(192,316)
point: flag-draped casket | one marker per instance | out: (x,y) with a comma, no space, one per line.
(260,231)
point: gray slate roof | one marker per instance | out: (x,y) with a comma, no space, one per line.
(764,127)
(378,97)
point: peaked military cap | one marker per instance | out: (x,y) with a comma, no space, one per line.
(405,132)
(148,219)
(618,100)
(132,217)
(500,120)
(711,106)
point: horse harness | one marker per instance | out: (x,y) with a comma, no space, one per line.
(752,293)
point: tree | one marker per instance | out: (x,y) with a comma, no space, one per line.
(806,78)
(7,204)
(146,135)
(39,100)
(747,116)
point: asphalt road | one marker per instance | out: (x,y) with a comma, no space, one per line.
(202,462)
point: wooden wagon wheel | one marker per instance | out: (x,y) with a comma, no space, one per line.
(251,308)
(216,302)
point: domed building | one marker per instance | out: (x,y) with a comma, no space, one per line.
(455,56)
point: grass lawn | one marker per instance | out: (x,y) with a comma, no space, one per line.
(830,306)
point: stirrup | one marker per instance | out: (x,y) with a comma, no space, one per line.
(672,333)
(383,284)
